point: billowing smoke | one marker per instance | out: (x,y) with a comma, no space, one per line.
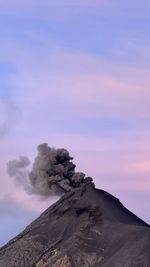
(53,172)
(17,169)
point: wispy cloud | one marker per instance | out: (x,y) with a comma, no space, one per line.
(9,116)
(95,4)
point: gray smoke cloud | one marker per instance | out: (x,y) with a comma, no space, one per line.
(17,169)
(53,172)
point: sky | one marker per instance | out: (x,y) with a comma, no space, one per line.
(75,74)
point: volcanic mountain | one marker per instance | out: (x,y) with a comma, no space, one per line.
(86,227)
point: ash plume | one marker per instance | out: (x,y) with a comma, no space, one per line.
(53,172)
(17,169)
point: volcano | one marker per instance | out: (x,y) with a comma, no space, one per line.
(87,227)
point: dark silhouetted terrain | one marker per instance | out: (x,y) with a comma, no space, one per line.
(86,227)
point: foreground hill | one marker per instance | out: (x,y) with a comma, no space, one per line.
(86,227)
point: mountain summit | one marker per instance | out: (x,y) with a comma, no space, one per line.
(87,227)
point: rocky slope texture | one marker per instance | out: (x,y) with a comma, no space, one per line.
(87,227)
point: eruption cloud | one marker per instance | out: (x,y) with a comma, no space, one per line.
(17,169)
(53,172)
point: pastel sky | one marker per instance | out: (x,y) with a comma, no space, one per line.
(75,74)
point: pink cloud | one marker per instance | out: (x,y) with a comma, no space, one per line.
(140,167)
(93,88)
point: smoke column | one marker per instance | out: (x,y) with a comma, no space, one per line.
(17,169)
(53,172)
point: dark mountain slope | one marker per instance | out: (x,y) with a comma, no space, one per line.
(86,227)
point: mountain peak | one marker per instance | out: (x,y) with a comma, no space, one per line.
(86,227)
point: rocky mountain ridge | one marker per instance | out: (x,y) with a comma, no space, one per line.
(87,227)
